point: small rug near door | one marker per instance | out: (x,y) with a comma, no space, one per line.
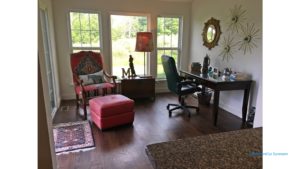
(73,136)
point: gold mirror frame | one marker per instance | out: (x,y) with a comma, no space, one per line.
(216,24)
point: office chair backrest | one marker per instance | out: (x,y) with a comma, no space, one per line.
(170,72)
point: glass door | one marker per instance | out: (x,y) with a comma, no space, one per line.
(48,60)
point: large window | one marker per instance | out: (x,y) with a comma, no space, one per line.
(123,39)
(85,31)
(168,41)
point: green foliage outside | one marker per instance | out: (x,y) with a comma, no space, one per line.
(85,29)
(167,37)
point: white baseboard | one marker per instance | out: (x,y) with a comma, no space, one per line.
(68,96)
(231,109)
(161,90)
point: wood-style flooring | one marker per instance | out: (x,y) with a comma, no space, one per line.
(124,147)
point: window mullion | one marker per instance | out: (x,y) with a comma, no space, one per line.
(80,30)
(90,30)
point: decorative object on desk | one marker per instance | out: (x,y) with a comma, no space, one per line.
(226,74)
(243,76)
(250,36)
(239,76)
(211,33)
(206,63)
(126,73)
(210,69)
(73,136)
(236,19)
(215,73)
(228,47)
(144,43)
(131,66)
(196,67)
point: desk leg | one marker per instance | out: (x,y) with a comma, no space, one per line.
(245,104)
(216,106)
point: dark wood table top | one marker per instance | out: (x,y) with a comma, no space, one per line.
(223,150)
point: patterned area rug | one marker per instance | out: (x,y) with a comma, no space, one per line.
(73,136)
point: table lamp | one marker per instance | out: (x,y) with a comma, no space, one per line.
(144,43)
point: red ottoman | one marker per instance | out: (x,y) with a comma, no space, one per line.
(111,110)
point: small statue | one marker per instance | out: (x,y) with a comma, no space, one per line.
(131,66)
(206,63)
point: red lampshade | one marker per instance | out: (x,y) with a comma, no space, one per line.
(144,42)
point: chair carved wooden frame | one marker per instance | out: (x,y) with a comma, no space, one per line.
(85,63)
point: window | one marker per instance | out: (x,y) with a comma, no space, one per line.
(85,31)
(168,41)
(123,39)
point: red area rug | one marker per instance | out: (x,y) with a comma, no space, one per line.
(73,136)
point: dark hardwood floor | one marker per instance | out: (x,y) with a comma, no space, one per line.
(124,147)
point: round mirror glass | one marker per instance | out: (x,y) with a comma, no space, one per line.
(211,33)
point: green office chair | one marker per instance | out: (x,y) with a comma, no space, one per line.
(177,85)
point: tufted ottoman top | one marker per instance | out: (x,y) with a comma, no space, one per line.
(110,105)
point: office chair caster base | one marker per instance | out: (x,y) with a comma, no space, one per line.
(170,114)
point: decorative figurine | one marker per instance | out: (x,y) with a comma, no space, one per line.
(206,63)
(131,66)
(126,73)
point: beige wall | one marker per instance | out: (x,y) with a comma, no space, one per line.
(153,7)
(202,10)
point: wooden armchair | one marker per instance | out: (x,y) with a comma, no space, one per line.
(89,78)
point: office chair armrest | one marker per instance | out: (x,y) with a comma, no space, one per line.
(182,78)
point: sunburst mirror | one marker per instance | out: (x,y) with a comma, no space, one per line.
(236,19)
(250,37)
(211,33)
(228,47)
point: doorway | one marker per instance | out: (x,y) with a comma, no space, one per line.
(48,60)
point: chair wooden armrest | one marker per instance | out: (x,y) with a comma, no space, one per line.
(110,77)
(79,82)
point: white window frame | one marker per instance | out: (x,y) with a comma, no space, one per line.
(179,48)
(100,48)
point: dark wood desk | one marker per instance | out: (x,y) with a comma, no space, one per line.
(220,85)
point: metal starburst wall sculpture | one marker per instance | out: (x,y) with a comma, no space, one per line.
(237,17)
(250,36)
(228,47)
